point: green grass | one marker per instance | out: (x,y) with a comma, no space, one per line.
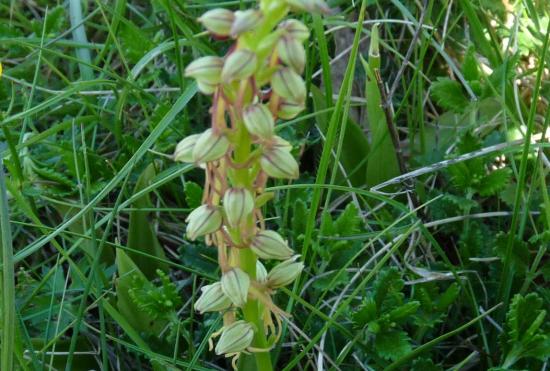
(420,274)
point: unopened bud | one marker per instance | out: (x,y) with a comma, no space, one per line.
(207,72)
(210,146)
(203,220)
(238,203)
(278,163)
(245,20)
(212,299)
(239,65)
(296,29)
(314,6)
(261,272)
(270,245)
(258,120)
(289,85)
(284,273)
(235,284)
(235,338)
(218,21)
(292,53)
(205,69)
(289,110)
(184,149)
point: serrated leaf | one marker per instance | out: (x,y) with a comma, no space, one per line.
(299,217)
(523,335)
(468,143)
(367,312)
(327,225)
(54,176)
(392,345)
(403,311)
(494,182)
(159,302)
(520,252)
(128,272)
(388,286)
(471,241)
(447,297)
(449,95)
(54,22)
(134,41)
(348,222)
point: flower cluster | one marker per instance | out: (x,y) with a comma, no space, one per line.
(257,83)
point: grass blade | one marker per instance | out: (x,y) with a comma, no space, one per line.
(8,278)
(79,35)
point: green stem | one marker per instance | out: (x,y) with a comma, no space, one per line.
(247,259)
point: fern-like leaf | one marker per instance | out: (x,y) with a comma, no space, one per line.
(448,94)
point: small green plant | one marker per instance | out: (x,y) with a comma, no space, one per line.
(254,85)
(525,334)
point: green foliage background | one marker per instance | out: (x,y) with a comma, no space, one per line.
(445,267)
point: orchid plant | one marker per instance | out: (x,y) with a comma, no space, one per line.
(254,86)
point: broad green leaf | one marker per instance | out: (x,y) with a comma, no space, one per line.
(382,162)
(141,236)
(355,149)
(193,194)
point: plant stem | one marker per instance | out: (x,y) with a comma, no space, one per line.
(252,313)
(247,259)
